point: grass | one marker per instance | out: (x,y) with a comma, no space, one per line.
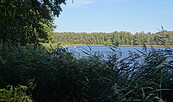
(56,75)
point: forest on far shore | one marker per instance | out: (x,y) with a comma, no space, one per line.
(115,38)
(31,72)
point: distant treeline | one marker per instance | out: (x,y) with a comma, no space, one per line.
(114,38)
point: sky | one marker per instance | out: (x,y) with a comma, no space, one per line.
(115,15)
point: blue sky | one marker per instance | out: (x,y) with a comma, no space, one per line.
(115,15)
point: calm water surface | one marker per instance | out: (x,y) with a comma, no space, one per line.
(105,50)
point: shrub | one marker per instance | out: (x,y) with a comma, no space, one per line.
(17,94)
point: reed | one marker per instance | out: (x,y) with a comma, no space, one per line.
(58,75)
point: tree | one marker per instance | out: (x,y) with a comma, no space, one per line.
(27,21)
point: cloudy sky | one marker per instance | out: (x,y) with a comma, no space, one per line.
(115,15)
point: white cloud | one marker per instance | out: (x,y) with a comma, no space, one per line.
(86,3)
(79,3)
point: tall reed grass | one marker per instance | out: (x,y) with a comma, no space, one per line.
(58,76)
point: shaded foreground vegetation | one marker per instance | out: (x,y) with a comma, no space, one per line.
(57,75)
(50,75)
(115,38)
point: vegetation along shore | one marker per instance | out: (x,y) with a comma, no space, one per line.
(33,71)
(162,38)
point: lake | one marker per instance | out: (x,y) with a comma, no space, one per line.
(105,50)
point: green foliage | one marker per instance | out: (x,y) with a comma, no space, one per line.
(60,76)
(148,78)
(115,38)
(57,75)
(27,21)
(17,94)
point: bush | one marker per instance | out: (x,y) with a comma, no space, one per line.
(17,94)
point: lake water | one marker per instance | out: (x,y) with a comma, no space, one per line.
(105,50)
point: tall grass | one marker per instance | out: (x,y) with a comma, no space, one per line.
(58,76)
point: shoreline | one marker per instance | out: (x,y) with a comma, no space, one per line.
(56,44)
